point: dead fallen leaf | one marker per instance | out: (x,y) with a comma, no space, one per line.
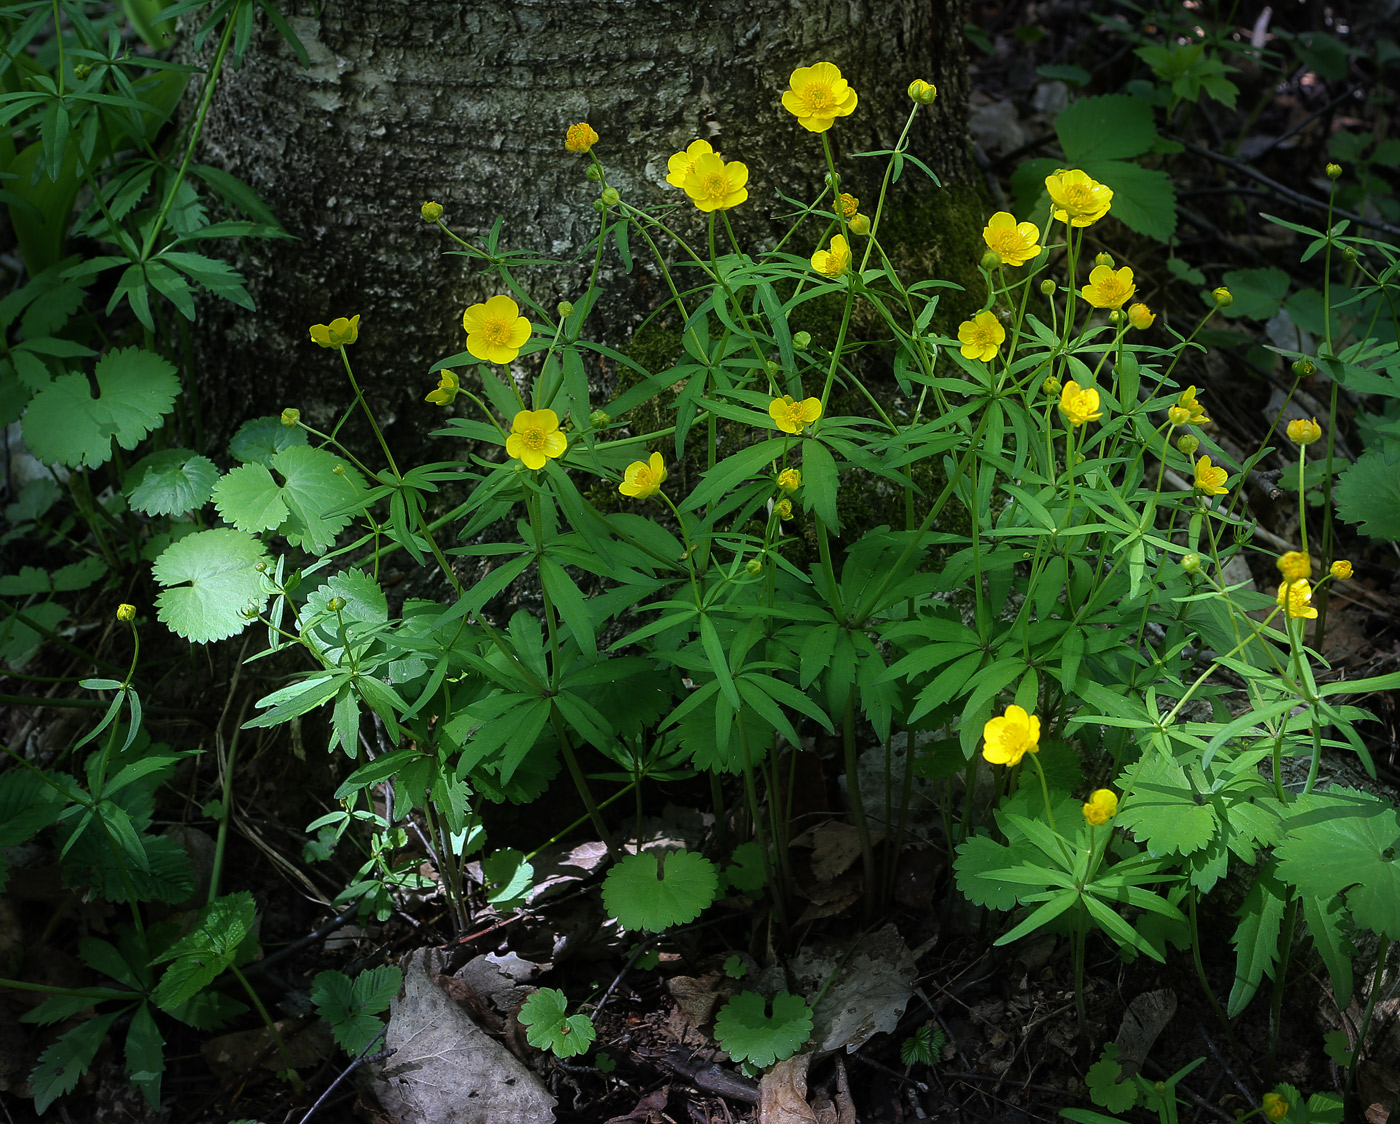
(870,990)
(782,1094)
(650,1109)
(1146,1017)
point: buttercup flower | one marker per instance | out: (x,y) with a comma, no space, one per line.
(1275,1106)
(1295,598)
(981,337)
(126,612)
(580,137)
(1341,569)
(643,478)
(790,479)
(714,185)
(1196,413)
(446,391)
(1294,565)
(922,92)
(1109,288)
(1304,432)
(495,330)
(784,509)
(534,437)
(1101,806)
(793,417)
(1077,198)
(1079,404)
(291,417)
(683,163)
(833,262)
(818,95)
(1016,242)
(1210,479)
(1009,738)
(430,211)
(846,205)
(337,333)
(1140,316)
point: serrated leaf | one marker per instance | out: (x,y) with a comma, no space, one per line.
(1258,293)
(1256,938)
(978,857)
(1162,811)
(171,482)
(203,955)
(1368,494)
(145,1055)
(1112,127)
(549,1027)
(1144,199)
(1106,1084)
(209,577)
(66,425)
(1344,841)
(655,890)
(259,440)
(509,877)
(66,1060)
(251,499)
(749,1032)
(351,1008)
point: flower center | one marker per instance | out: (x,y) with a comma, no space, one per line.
(818,99)
(496,331)
(533,439)
(716,185)
(1078,197)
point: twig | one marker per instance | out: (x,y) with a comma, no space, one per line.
(361,1060)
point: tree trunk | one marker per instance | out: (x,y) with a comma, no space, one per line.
(467,104)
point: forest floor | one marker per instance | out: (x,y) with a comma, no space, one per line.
(1012,1045)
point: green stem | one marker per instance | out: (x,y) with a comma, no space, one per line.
(292,1075)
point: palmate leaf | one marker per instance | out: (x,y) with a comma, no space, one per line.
(548,1027)
(209,578)
(315,483)
(749,1032)
(260,439)
(351,1008)
(1368,494)
(655,890)
(1162,811)
(66,425)
(1344,841)
(171,482)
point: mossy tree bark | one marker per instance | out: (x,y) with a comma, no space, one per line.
(467,104)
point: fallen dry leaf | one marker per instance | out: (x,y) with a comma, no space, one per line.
(782,1094)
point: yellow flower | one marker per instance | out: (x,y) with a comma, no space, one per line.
(1195,411)
(1140,316)
(643,479)
(337,333)
(1079,404)
(793,417)
(126,612)
(1275,1106)
(1294,565)
(784,509)
(1077,198)
(1011,737)
(446,390)
(1304,432)
(683,163)
(981,337)
(430,211)
(580,137)
(714,185)
(1210,478)
(1109,288)
(1222,297)
(818,95)
(922,92)
(534,436)
(846,205)
(291,417)
(495,330)
(790,479)
(1101,806)
(1341,569)
(1017,243)
(1296,599)
(833,262)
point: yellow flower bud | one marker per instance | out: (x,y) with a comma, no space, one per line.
(784,509)
(126,612)
(291,417)
(859,225)
(790,479)
(430,211)
(1304,432)
(1334,171)
(921,92)
(1294,565)
(338,333)
(1222,297)
(1341,569)
(1140,316)
(1104,259)
(1275,1106)
(580,137)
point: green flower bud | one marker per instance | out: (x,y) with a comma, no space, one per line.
(1047,287)
(81,72)
(335,604)
(598,420)
(430,211)
(593,172)
(611,197)
(291,417)
(801,340)
(1188,444)
(1304,368)
(1104,259)
(754,566)
(566,308)
(1334,171)
(338,470)
(1051,386)
(1191,563)
(1222,297)
(991,259)
(772,368)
